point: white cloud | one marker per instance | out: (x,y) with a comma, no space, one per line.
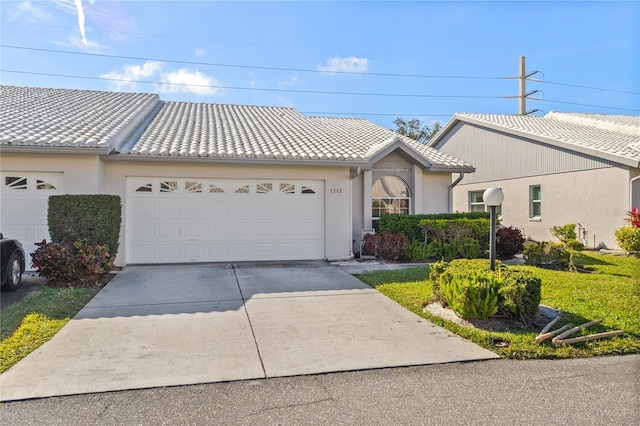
(180,81)
(188,81)
(126,79)
(350,64)
(200,52)
(291,82)
(28,12)
(285,102)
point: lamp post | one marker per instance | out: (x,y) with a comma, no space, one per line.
(493,197)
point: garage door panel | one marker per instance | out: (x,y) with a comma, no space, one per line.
(168,231)
(224,220)
(168,253)
(24,204)
(144,231)
(17,208)
(217,230)
(194,252)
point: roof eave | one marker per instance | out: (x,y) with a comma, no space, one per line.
(398,144)
(33,149)
(364,164)
(542,139)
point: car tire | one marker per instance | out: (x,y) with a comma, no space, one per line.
(14,273)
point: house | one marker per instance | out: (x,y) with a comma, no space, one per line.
(206,182)
(554,169)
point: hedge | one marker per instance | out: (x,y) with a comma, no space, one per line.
(409,224)
(95,218)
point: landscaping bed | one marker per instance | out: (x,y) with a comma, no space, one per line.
(609,290)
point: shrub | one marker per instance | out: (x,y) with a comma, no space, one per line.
(472,295)
(421,251)
(545,254)
(509,242)
(72,264)
(34,331)
(519,292)
(468,238)
(385,245)
(95,218)
(634,217)
(409,224)
(628,239)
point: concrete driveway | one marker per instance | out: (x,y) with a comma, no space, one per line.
(168,325)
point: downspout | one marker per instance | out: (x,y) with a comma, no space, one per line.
(355,172)
(455,182)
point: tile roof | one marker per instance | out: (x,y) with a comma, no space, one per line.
(613,137)
(31,116)
(182,129)
(140,125)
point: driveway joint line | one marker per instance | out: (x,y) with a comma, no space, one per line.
(244,306)
(162,304)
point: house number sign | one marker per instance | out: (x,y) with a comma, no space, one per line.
(335,190)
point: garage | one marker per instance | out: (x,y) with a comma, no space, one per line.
(24,206)
(214,220)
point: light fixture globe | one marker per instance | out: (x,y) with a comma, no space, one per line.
(493,197)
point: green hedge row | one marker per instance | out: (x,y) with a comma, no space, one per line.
(409,224)
(95,218)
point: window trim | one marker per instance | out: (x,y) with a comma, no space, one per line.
(408,198)
(533,202)
(484,206)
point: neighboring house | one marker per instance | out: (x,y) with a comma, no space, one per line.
(206,182)
(556,169)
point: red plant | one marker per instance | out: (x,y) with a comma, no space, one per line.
(634,217)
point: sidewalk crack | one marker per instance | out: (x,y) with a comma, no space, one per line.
(244,306)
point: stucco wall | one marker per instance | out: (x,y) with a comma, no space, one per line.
(596,199)
(82,173)
(336,179)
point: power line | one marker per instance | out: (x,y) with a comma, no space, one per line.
(589,105)
(212,64)
(589,87)
(212,86)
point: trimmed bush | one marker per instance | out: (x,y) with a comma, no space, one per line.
(519,291)
(544,253)
(409,224)
(95,218)
(385,245)
(509,242)
(628,238)
(473,295)
(467,238)
(72,264)
(420,251)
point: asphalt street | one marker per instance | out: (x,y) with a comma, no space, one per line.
(595,391)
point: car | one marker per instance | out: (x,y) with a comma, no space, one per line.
(12,263)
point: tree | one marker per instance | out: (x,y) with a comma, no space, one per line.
(416,129)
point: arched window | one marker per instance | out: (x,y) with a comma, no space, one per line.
(389,195)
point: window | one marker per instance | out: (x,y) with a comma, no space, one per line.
(476,203)
(535,205)
(389,195)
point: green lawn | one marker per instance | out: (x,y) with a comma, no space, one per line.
(611,292)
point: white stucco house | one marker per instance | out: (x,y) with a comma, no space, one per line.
(206,182)
(554,169)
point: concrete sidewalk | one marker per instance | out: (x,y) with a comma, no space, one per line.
(168,325)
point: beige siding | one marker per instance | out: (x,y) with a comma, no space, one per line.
(596,199)
(497,155)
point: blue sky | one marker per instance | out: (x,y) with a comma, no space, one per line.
(376,60)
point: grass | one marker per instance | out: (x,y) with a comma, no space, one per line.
(21,333)
(610,292)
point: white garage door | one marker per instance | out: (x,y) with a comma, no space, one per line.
(210,220)
(24,206)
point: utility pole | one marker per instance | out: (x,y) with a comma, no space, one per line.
(522,92)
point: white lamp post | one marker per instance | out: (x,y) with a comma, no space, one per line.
(493,197)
